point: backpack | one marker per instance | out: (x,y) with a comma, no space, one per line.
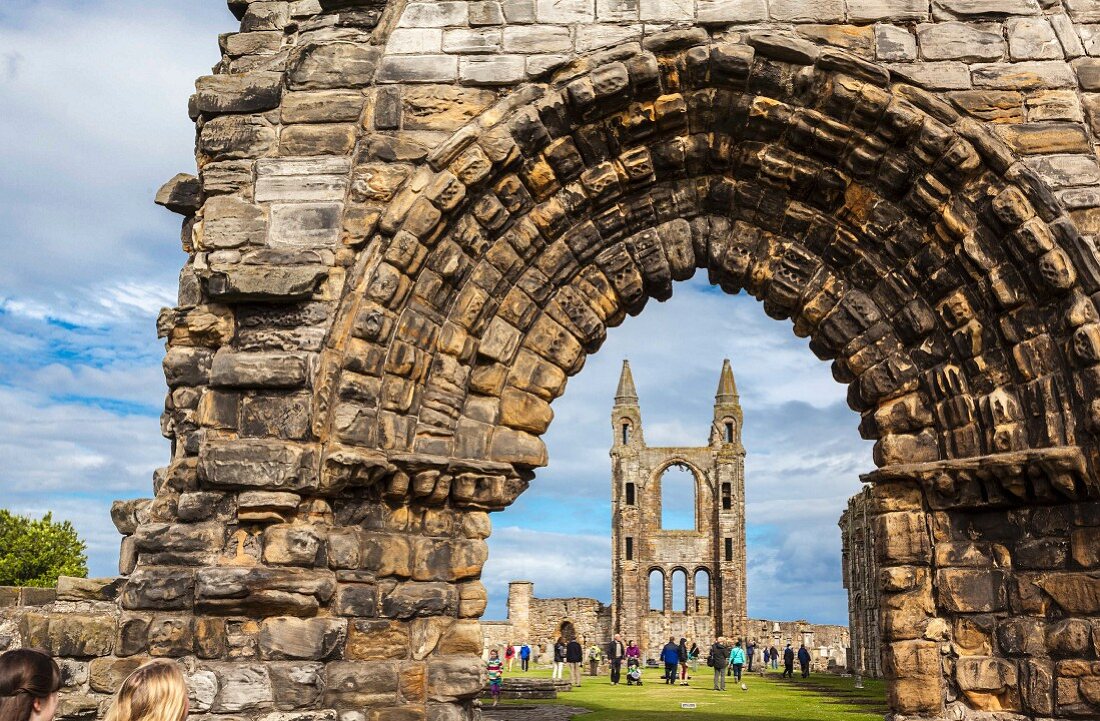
(710,659)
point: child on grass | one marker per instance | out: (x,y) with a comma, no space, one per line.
(496,675)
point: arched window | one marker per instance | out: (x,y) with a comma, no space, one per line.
(626,432)
(702,591)
(630,494)
(702,583)
(678,499)
(656,590)
(729,432)
(679,590)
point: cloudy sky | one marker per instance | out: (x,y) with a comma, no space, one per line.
(94,96)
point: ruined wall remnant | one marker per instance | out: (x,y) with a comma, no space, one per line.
(413,221)
(714,550)
(861,579)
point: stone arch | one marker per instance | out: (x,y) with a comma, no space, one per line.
(940,276)
(658,490)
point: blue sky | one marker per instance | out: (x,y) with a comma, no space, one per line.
(95,95)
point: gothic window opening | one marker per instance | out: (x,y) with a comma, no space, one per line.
(679,591)
(729,549)
(629,549)
(678,499)
(727,496)
(657,590)
(729,432)
(702,591)
(626,433)
(630,499)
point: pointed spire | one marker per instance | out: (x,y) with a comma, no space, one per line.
(727,388)
(626,395)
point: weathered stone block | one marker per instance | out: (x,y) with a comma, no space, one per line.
(258,464)
(355,684)
(970,591)
(234,137)
(454,677)
(313,639)
(238,93)
(294,545)
(338,65)
(377,640)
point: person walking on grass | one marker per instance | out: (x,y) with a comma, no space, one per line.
(693,657)
(775,657)
(509,655)
(804,660)
(788,662)
(750,651)
(670,656)
(765,655)
(524,658)
(574,655)
(616,652)
(718,658)
(559,658)
(737,661)
(495,670)
(684,656)
(633,651)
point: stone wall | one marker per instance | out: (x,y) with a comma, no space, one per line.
(539,621)
(828,644)
(396,257)
(861,579)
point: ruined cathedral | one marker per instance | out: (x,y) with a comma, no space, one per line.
(709,561)
(668,582)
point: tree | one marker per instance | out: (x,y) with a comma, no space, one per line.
(35,553)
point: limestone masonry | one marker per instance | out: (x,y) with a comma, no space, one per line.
(412,222)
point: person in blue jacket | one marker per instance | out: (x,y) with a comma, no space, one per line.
(737,660)
(524,657)
(670,655)
(804,660)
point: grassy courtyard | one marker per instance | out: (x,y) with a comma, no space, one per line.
(822,697)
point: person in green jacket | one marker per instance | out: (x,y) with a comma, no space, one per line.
(737,660)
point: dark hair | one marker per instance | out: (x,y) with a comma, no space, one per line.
(26,674)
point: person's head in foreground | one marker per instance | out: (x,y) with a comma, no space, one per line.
(29,681)
(154,692)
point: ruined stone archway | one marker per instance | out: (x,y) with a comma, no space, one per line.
(949,288)
(377,313)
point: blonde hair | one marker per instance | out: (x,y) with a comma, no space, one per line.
(154,692)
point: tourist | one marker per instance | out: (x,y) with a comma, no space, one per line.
(718,658)
(788,662)
(693,657)
(574,654)
(775,657)
(633,651)
(804,660)
(750,651)
(737,661)
(765,655)
(509,655)
(154,692)
(595,655)
(29,681)
(616,652)
(495,669)
(559,658)
(524,658)
(670,656)
(684,655)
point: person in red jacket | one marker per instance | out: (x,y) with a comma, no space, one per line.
(510,655)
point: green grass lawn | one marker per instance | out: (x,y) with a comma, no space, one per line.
(767,699)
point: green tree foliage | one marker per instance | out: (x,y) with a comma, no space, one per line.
(35,553)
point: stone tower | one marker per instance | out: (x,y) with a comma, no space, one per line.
(714,551)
